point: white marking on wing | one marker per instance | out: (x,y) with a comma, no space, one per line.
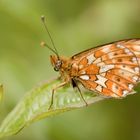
(90,58)
(136,69)
(81,66)
(103,74)
(125,92)
(120,46)
(84,77)
(114,88)
(110,55)
(134,59)
(101,64)
(135,78)
(97,60)
(107,49)
(82,72)
(105,68)
(127,51)
(130,86)
(101,80)
(99,88)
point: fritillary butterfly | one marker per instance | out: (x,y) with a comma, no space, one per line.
(112,70)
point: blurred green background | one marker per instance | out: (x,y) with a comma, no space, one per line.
(75,25)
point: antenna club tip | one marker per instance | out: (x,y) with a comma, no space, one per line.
(42,44)
(43,18)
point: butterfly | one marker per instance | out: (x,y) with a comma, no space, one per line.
(111,70)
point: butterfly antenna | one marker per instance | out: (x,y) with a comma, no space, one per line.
(44,44)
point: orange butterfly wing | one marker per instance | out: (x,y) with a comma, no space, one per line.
(111,70)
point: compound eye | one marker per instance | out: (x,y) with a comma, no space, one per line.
(56,69)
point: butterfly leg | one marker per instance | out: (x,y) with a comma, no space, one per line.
(82,97)
(53,91)
(76,85)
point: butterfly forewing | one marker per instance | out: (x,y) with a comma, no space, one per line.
(111,70)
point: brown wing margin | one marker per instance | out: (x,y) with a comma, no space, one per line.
(91,49)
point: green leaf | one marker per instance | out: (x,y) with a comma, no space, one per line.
(34,106)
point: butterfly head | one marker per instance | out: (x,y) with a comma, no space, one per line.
(56,62)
